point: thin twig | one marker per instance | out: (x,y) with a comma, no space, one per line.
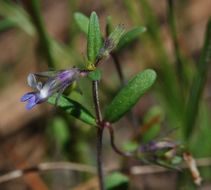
(112,138)
(143,170)
(47,166)
(118,68)
(51,166)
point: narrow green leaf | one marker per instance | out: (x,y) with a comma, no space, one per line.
(198,84)
(94,41)
(129,95)
(170,92)
(73,108)
(117,181)
(17,15)
(202,132)
(34,9)
(82,21)
(6,24)
(130,37)
(180,61)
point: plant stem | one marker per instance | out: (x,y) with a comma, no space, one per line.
(99,158)
(173,32)
(118,68)
(96,101)
(112,138)
(99,133)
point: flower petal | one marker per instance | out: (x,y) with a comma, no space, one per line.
(31,80)
(32,101)
(39,86)
(30,105)
(47,74)
(70,74)
(26,96)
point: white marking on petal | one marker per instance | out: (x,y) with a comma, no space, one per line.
(39,86)
(44,92)
(32,82)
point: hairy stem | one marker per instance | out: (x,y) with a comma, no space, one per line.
(99,133)
(96,101)
(99,158)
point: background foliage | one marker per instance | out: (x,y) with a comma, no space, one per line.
(173,38)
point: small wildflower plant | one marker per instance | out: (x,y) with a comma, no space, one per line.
(49,87)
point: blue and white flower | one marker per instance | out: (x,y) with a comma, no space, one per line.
(54,82)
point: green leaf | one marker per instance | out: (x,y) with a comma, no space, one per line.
(59,130)
(17,15)
(73,108)
(95,75)
(117,181)
(130,37)
(202,132)
(6,24)
(129,95)
(94,41)
(198,84)
(34,9)
(82,21)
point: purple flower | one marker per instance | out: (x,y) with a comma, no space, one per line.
(154,146)
(54,82)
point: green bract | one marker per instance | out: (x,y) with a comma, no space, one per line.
(73,108)
(112,41)
(129,95)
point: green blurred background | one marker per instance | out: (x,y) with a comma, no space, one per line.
(179,102)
